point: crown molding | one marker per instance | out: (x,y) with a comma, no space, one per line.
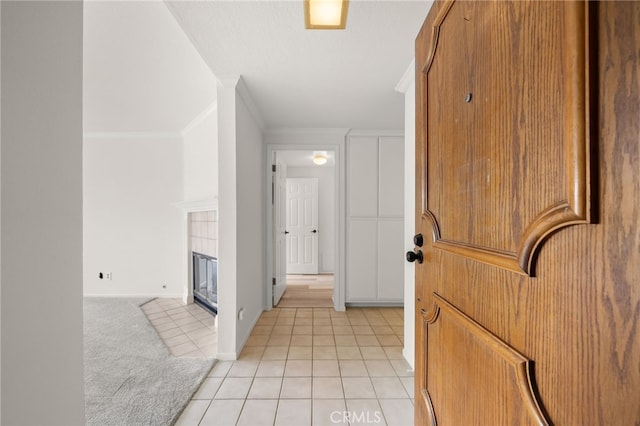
(242,90)
(132,135)
(307,131)
(200,118)
(408,77)
(380,133)
(199,205)
(244,93)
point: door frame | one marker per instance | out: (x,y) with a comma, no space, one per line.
(278,208)
(340,215)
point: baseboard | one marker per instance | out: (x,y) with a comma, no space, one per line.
(408,357)
(376,304)
(233,356)
(244,340)
(226,356)
(140,295)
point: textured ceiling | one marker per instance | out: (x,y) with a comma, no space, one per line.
(309,79)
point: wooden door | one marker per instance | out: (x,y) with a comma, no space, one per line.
(528,198)
(302,226)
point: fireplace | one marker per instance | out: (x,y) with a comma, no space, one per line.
(205,281)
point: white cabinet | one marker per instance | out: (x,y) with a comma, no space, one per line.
(362,273)
(375,191)
(391,260)
(363,176)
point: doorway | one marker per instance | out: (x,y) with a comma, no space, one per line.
(303,224)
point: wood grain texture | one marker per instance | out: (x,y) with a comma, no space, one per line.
(489,121)
(578,319)
(497,370)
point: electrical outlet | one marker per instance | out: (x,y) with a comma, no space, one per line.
(108,276)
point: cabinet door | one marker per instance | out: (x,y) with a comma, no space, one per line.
(391,260)
(391,177)
(362,259)
(363,176)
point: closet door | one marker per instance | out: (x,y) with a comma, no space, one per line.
(375,269)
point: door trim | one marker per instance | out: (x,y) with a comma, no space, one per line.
(340,219)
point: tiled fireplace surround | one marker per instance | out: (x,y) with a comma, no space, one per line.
(189,330)
(203,232)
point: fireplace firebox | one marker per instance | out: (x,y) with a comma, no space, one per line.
(205,281)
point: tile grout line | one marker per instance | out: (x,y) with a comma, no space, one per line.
(258,354)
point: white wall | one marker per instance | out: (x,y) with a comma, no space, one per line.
(241,283)
(131,228)
(141,72)
(227,221)
(250,258)
(201,156)
(150,141)
(326,211)
(41,241)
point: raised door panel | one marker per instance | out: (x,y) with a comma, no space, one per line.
(363,176)
(391,260)
(362,254)
(464,356)
(521,319)
(507,148)
(391,181)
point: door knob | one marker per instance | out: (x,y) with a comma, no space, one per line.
(413,256)
(286,232)
(314,231)
(418,240)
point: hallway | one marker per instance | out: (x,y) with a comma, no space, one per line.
(312,366)
(308,291)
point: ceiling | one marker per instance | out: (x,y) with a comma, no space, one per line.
(297,158)
(309,78)
(152,66)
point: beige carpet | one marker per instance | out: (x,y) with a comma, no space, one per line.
(308,291)
(130,377)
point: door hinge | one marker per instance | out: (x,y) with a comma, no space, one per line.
(273,281)
(273,168)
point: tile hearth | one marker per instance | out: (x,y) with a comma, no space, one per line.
(187,330)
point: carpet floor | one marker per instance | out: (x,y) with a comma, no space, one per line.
(130,376)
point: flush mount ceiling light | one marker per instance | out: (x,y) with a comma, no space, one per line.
(325,14)
(320,158)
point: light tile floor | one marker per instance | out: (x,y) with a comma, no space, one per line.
(187,330)
(312,366)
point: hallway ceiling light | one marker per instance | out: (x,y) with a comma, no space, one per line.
(320,158)
(325,14)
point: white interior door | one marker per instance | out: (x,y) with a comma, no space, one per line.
(302,225)
(279,229)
